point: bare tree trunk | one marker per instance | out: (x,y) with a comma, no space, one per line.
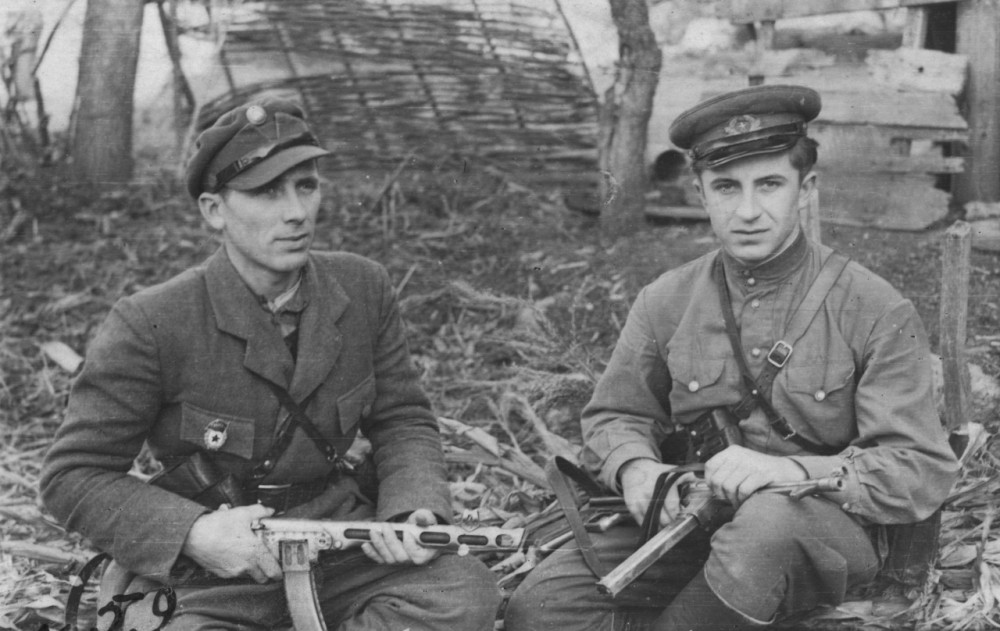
(625,118)
(102,143)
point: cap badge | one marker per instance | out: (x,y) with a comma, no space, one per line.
(216,434)
(743,124)
(256,115)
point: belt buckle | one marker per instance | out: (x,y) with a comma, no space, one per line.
(779,354)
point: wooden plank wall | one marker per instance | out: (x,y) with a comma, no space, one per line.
(747,11)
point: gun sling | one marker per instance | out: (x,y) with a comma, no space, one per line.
(759,388)
(559,471)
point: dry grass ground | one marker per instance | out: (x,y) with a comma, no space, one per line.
(513,305)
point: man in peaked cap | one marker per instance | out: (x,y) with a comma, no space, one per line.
(209,367)
(839,385)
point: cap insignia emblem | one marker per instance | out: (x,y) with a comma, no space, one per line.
(743,124)
(216,434)
(256,115)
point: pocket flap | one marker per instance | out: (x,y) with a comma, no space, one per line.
(824,377)
(694,373)
(217,432)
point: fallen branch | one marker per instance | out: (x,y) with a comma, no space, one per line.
(46,554)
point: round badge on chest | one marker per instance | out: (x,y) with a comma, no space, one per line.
(216,434)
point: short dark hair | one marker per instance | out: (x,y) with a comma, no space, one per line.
(803,155)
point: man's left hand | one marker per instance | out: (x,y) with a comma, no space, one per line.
(386,548)
(736,472)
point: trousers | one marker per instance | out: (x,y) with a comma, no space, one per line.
(451,593)
(776,558)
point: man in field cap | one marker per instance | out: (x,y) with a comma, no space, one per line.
(814,367)
(249,378)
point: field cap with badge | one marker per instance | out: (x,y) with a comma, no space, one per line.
(748,122)
(251,145)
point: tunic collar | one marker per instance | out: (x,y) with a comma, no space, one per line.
(772,270)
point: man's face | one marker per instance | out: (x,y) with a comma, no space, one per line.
(753,204)
(268,230)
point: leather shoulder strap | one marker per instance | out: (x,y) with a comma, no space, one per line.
(811,303)
(297,418)
(759,388)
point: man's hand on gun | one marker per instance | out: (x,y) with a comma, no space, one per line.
(733,474)
(387,549)
(638,482)
(736,473)
(230,542)
(223,543)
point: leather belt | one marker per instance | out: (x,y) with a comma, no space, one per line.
(282,497)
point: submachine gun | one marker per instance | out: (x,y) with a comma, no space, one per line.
(700,510)
(298,542)
(704,437)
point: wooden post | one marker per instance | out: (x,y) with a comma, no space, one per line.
(954,307)
(979,37)
(915,31)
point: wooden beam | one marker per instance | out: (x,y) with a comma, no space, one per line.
(978,37)
(748,11)
(954,308)
(915,31)
(885,201)
(919,69)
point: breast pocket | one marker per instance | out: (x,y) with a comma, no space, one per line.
(698,383)
(217,432)
(821,391)
(355,405)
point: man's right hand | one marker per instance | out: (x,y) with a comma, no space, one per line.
(223,543)
(638,481)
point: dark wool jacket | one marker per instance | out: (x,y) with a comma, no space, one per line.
(199,348)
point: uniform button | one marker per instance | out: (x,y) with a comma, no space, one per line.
(846,506)
(755,303)
(267,464)
(693,386)
(751,281)
(755,352)
(820,395)
(256,115)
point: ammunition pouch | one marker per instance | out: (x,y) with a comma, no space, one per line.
(198,478)
(710,433)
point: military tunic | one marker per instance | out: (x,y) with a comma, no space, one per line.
(859,380)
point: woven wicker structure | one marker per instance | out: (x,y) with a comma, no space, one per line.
(496,83)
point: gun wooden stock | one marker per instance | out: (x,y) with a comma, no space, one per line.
(699,511)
